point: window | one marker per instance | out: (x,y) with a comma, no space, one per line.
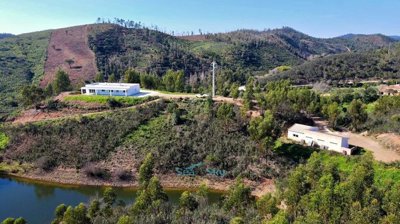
(117,91)
(321,140)
(83,91)
(334,143)
(123,91)
(92,91)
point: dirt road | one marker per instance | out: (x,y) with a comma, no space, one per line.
(371,144)
(380,152)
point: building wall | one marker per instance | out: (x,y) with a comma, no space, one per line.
(130,92)
(323,141)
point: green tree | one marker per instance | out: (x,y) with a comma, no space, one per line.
(187,201)
(357,114)
(125,219)
(59,212)
(370,95)
(62,82)
(263,128)
(20,220)
(94,208)
(179,81)
(76,215)
(156,191)
(238,198)
(391,200)
(267,205)
(234,91)
(109,196)
(248,95)
(168,81)
(146,170)
(112,78)
(48,91)
(99,77)
(225,111)
(280,218)
(31,94)
(332,112)
(8,221)
(131,76)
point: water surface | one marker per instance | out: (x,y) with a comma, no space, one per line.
(36,201)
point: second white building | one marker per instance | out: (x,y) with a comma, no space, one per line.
(311,136)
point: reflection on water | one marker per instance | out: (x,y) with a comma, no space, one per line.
(36,201)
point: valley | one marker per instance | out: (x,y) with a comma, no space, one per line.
(229,156)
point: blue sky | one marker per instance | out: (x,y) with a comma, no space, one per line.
(320,18)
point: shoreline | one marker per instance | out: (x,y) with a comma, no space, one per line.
(169,182)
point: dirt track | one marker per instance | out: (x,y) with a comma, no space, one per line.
(371,144)
(380,152)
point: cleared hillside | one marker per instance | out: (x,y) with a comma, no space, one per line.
(68,50)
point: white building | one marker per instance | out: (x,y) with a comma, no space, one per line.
(111,89)
(313,137)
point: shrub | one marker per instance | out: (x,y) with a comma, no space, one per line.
(113,103)
(124,174)
(3,141)
(45,163)
(94,171)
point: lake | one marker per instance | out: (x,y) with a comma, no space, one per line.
(36,201)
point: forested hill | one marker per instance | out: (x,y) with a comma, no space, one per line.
(371,65)
(118,48)
(115,48)
(300,44)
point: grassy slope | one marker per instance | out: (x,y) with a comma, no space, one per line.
(128,101)
(383,172)
(21,62)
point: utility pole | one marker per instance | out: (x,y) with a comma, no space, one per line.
(214,64)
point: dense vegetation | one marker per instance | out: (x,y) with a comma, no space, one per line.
(21,62)
(238,53)
(327,189)
(74,142)
(336,69)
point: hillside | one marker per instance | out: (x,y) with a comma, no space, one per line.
(68,50)
(302,45)
(178,134)
(118,48)
(371,65)
(22,61)
(83,51)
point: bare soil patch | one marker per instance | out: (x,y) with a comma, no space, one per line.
(390,140)
(70,44)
